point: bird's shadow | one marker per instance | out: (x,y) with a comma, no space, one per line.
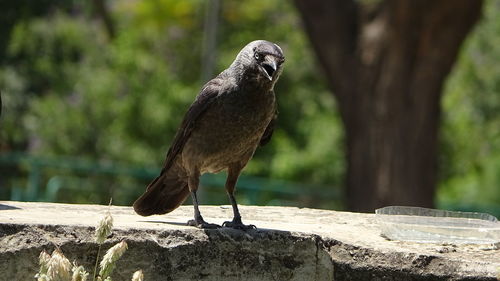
(167,222)
(223,229)
(7,207)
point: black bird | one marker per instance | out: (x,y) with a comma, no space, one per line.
(230,117)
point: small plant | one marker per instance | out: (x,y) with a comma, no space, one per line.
(138,276)
(108,261)
(102,231)
(56,267)
(79,273)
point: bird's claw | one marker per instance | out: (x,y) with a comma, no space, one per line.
(238,225)
(202,224)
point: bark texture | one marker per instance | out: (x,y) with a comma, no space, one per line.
(386,62)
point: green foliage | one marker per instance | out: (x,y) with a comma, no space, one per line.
(68,90)
(470,158)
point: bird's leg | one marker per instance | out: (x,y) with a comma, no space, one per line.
(198,220)
(232,177)
(236,222)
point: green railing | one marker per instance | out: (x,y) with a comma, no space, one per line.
(48,176)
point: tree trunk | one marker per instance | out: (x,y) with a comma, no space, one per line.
(101,10)
(386,62)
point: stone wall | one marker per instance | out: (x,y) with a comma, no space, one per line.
(289,244)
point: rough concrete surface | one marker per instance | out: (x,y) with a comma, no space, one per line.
(289,244)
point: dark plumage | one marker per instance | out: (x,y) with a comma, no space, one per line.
(230,117)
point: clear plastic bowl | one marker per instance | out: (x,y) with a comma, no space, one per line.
(437,226)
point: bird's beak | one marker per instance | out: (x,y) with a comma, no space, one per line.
(268,67)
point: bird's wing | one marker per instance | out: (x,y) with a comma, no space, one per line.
(197,108)
(268,133)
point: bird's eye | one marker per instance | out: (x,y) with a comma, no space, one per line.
(256,56)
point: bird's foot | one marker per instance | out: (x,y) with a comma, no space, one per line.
(237,224)
(201,223)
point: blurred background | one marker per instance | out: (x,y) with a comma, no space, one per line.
(380,102)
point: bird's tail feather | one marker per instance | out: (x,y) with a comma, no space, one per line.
(163,194)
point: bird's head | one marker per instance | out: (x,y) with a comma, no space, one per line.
(261,60)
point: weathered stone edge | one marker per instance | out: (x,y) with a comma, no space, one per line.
(350,262)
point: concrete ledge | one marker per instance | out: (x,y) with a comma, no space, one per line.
(289,244)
